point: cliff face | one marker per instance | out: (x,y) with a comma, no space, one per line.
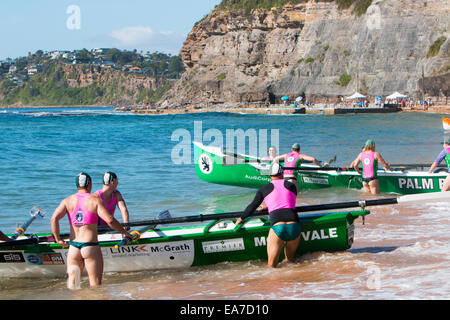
(83,85)
(314,47)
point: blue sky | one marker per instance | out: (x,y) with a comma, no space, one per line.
(147,25)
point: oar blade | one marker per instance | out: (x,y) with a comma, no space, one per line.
(425,197)
(37,212)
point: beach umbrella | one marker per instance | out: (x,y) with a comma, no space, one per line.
(298,99)
(285,98)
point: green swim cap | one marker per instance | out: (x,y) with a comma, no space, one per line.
(296,146)
(370,143)
(83,180)
(109,177)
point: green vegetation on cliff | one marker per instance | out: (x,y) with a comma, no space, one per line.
(360,6)
(433,51)
(82,77)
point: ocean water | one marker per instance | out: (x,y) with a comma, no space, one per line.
(400,252)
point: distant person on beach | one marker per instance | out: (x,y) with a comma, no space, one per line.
(4,237)
(369,159)
(279,196)
(294,159)
(111,197)
(83,210)
(445,154)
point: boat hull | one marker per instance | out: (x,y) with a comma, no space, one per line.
(186,246)
(213,166)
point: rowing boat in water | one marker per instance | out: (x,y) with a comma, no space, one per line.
(214,165)
(446,123)
(198,244)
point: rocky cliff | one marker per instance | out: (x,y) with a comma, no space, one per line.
(236,57)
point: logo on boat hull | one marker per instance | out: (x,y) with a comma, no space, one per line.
(205,163)
(44,258)
(223,245)
(321,234)
(11,257)
(417,183)
(315,180)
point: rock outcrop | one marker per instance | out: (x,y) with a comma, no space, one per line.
(233,58)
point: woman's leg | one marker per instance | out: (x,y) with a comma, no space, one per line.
(274,248)
(374,186)
(75,267)
(93,260)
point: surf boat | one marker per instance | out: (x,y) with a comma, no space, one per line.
(199,240)
(212,239)
(214,165)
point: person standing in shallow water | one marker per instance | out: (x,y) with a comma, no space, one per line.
(279,196)
(369,159)
(83,210)
(294,159)
(445,154)
(111,197)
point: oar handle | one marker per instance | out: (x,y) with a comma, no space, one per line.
(136,235)
(318,168)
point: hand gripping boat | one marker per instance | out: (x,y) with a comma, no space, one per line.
(201,240)
(214,165)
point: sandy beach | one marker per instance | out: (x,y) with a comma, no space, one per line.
(281,109)
(272,109)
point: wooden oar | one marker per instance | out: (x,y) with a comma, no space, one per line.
(33,239)
(412,165)
(413,198)
(419,198)
(34,213)
(137,233)
(247,159)
(319,168)
(326,164)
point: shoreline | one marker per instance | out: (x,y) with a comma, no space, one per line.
(63,106)
(272,109)
(283,110)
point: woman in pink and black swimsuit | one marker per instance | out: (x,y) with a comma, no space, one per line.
(111,197)
(369,159)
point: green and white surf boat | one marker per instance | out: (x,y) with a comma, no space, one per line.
(199,240)
(214,165)
(209,241)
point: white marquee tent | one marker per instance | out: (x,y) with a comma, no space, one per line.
(396,95)
(356,95)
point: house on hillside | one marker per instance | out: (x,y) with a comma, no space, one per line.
(31,70)
(108,64)
(54,54)
(135,69)
(99,51)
